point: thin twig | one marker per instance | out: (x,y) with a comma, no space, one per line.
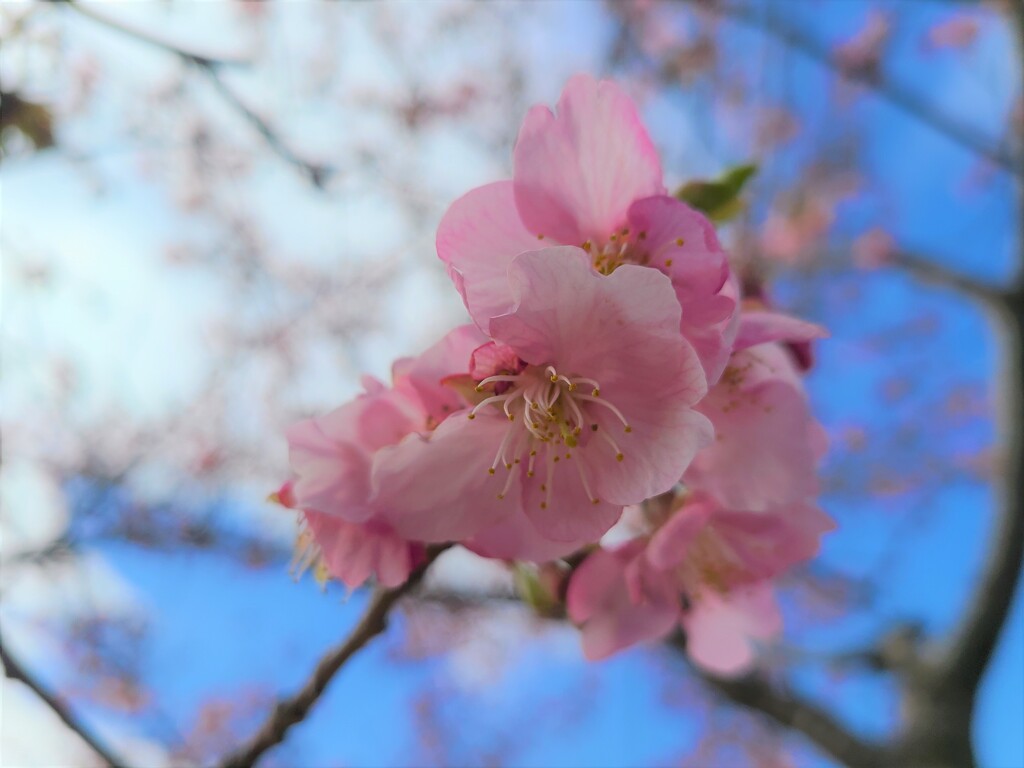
(294,709)
(211,68)
(151,39)
(900,96)
(14,670)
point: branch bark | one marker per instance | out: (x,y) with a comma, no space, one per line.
(14,670)
(294,709)
(791,711)
(933,272)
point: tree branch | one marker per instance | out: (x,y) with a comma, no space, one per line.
(211,67)
(895,93)
(15,671)
(934,272)
(294,709)
(972,643)
(971,646)
(788,709)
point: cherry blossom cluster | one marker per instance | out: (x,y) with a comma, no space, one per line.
(611,365)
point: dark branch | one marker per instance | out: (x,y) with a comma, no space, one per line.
(150,39)
(973,642)
(788,709)
(895,93)
(791,711)
(15,671)
(934,272)
(211,68)
(294,709)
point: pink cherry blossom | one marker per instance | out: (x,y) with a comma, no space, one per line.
(332,458)
(353,552)
(767,441)
(331,455)
(588,175)
(708,570)
(593,412)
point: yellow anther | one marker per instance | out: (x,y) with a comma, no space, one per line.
(472,416)
(679,241)
(540,237)
(479,387)
(543,505)
(490,471)
(619,457)
(596,392)
(595,501)
(668,262)
(587,245)
(628,428)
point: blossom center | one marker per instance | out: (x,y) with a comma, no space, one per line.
(711,563)
(627,247)
(551,414)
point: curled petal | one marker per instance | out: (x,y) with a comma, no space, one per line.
(760,327)
(478,237)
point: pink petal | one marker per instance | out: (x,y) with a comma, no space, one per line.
(766,441)
(577,173)
(478,237)
(609,633)
(425,374)
(698,266)
(598,598)
(621,330)
(353,552)
(515,537)
(332,470)
(567,513)
(598,583)
(669,544)
(437,487)
(682,243)
(721,632)
(491,359)
(759,327)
